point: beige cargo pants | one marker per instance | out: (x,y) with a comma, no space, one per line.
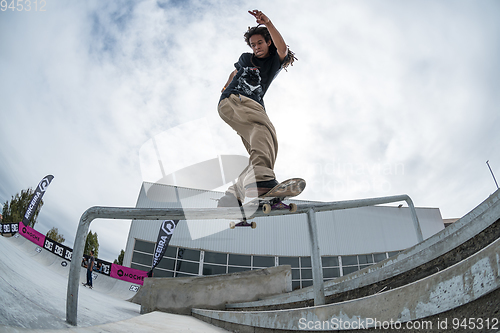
(249,119)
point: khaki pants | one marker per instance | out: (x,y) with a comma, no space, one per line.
(249,119)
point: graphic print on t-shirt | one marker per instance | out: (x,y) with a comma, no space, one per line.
(249,83)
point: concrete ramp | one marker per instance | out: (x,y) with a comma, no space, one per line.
(465,237)
(453,273)
(409,306)
(101,282)
(180,295)
(33,297)
(34,288)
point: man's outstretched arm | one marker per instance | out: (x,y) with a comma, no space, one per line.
(278,40)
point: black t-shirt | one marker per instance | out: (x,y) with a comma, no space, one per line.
(254,76)
(90,262)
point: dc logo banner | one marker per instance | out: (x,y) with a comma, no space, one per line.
(5,228)
(9,228)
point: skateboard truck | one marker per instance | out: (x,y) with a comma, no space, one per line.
(278,205)
(272,200)
(244,223)
(267,208)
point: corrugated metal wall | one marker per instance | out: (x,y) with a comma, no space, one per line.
(343,232)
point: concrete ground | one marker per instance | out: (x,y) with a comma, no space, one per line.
(33,286)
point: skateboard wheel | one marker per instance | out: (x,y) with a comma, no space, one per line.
(254,225)
(232,225)
(293,207)
(266,208)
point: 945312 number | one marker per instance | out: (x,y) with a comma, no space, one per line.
(23,5)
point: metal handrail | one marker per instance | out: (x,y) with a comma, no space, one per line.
(124,213)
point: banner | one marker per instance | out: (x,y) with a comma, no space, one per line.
(31,234)
(100,266)
(58,249)
(10,228)
(104,267)
(164,235)
(128,274)
(37,197)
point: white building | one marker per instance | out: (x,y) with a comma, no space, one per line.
(349,239)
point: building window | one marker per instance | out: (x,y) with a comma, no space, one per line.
(331,267)
(167,263)
(240,260)
(379,256)
(188,254)
(142,246)
(305,272)
(235,269)
(186,268)
(365,260)
(239,263)
(142,258)
(262,262)
(188,262)
(163,273)
(330,261)
(349,264)
(215,258)
(294,262)
(331,273)
(179,262)
(214,269)
(352,264)
(392,254)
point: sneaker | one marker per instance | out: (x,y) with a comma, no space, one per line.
(229,200)
(260,188)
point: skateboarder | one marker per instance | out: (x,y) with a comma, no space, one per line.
(90,266)
(241,106)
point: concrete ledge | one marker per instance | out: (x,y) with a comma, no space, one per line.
(449,289)
(179,295)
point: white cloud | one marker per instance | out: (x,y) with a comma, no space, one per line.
(387,97)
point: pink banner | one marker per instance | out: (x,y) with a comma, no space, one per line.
(31,234)
(128,274)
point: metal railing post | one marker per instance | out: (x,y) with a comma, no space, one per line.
(74,269)
(317,268)
(416,223)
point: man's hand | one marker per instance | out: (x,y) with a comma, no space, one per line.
(278,40)
(259,16)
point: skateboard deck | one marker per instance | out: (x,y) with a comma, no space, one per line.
(273,200)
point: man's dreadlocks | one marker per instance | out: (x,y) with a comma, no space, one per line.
(261,30)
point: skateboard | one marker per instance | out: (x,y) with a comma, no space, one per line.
(86,285)
(273,200)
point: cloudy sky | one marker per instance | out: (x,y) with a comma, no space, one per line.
(387,98)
